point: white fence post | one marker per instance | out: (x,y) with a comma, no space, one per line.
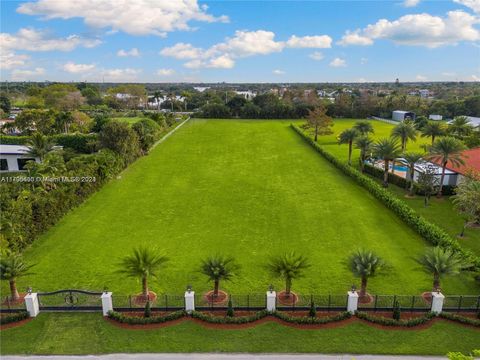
(271,300)
(107,304)
(31,303)
(352,303)
(437,302)
(189,301)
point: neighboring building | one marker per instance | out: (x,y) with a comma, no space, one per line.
(14,158)
(201,88)
(424,93)
(471,158)
(451,177)
(248,95)
(474,121)
(400,115)
(435,117)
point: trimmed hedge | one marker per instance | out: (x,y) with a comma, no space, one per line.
(133,320)
(11,318)
(305,320)
(229,320)
(392,322)
(430,232)
(77,142)
(461,319)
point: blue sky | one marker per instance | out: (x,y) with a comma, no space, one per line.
(240,41)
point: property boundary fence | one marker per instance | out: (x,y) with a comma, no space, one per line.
(70,300)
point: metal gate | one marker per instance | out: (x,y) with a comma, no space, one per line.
(70,300)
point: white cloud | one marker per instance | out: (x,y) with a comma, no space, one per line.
(182,51)
(363,60)
(139,17)
(73,68)
(319,41)
(411,3)
(248,43)
(278,72)
(419,30)
(421,77)
(317,55)
(475,78)
(338,62)
(121,75)
(27,74)
(472,4)
(10,60)
(165,72)
(132,52)
(36,40)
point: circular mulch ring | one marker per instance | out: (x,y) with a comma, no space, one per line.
(220,298)
(427,297)
(19,301)
(287,299)
(139,299)
(365,299)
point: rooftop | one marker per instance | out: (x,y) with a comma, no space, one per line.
(471,159)
(13,149)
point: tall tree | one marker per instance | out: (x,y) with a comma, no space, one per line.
(289,266)
(319,121)
(460,127)
(412,159)
(11,268)
(433,129)
(446,150)
(347,137)
(364,127)
(39,145)
(404,131)
(364,144)
(365,264)
(218,268)
(440,262)
(388,150)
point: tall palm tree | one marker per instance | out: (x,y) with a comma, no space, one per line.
(439,262)
(445,150)
(142,264)
(288,266)
(347,137)
(218,268)
(412,158)
(11,268)
(364,127)
(364,144)
(39,146)
(460,127)
(404,131)
(157,95)
(433,129)
(365,264)
(387,150)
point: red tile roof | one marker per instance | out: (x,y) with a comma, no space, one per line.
(471,158)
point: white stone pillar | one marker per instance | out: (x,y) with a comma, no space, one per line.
(32,305)
(107,304)
(437,302)
(189,301)
(352,303)
(271,300)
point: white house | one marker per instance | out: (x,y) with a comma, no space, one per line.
(14,158)
(248,95)
(400,115)
(435,117)
(474,121)
(451,177)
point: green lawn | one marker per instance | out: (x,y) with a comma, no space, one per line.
(128,120)
(247,188)
(88,333)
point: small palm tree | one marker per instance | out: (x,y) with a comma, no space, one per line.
(387,150)
(39,146)
(142,264)
(460,127)
(445,150)
(365,264)
(347,137)
(432,130)
(364,127)
(404,131)
(439,262)
(412,158)
(288,266)
(218,268)
(11,268)
(364,144)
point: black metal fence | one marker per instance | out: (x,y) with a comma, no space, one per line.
(387,302)
(460,303)
(7,305)
(158,303)
(71,299)
(304,302)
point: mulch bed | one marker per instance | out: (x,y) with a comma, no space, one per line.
(287,299)
(15,324)
(20,300)
(139,299)
(221,298)
(366,299)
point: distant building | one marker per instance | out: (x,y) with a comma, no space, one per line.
(14,158)
(474,121)
(201,88)
(435,117)
(249,95)
(400,115)
(424,93)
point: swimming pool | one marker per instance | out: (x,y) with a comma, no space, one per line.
(399,168)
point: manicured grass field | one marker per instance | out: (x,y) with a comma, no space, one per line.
(248,188)
(88,333)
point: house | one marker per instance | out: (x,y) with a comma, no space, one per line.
(471,158)
(400,115)
(451,177)
(424,93)
(435,117)
(14,158)
(474,121)
(248,95)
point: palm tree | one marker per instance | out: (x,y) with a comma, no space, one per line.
(142,264)
(288,266)
(460,127)
(446,149)
(365,264)
(218,268)
(467,201)
(364,144)
(412,158)
(404,131)
(157,95)
(364,127)
(39,146)
(433,129)
(11,268)
(439,262)
(347,137)
(387,150)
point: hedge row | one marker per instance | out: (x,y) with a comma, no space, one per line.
(229,320)
(312,320)
(10,318)
(430,232)
(79,142)
(460,319)
(133,320)
(392,322)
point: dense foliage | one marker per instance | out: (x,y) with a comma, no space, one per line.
(393,322)
(137,320)
(14,317)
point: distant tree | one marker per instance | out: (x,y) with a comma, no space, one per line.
(147,131)
(433,130)
(235,104)
(445,150)
(39,146)
(404,131)
(5,104)
(250,111)
(420,122)
(439,262)
(467,201)
(218,268)
(157,95)
(99,121)
(348,136)
(365,264)
(412,158)
(319,122)
(120,138)
(364,127)
(460,127)
(218,111)
(364,144)
(81,122)
(388,150)
(11,268)
(289,267)
(428,182)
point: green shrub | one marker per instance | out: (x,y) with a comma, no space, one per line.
(133,320)
(14,317)
(461,319)
(148,310)
(79,142)
(313,310)
(229,320)
(392,322)
(312,320)
(396,311)
(230,312)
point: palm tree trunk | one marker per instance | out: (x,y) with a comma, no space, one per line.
(349,153)
(436,281)
(144,287)
(393,166)
(433,139)
(13,290)
(288,286)
(385,173)
(363,287)
(463,228)
(439,194)
(316,133)
(216,286)
(412,175)
(362,162)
